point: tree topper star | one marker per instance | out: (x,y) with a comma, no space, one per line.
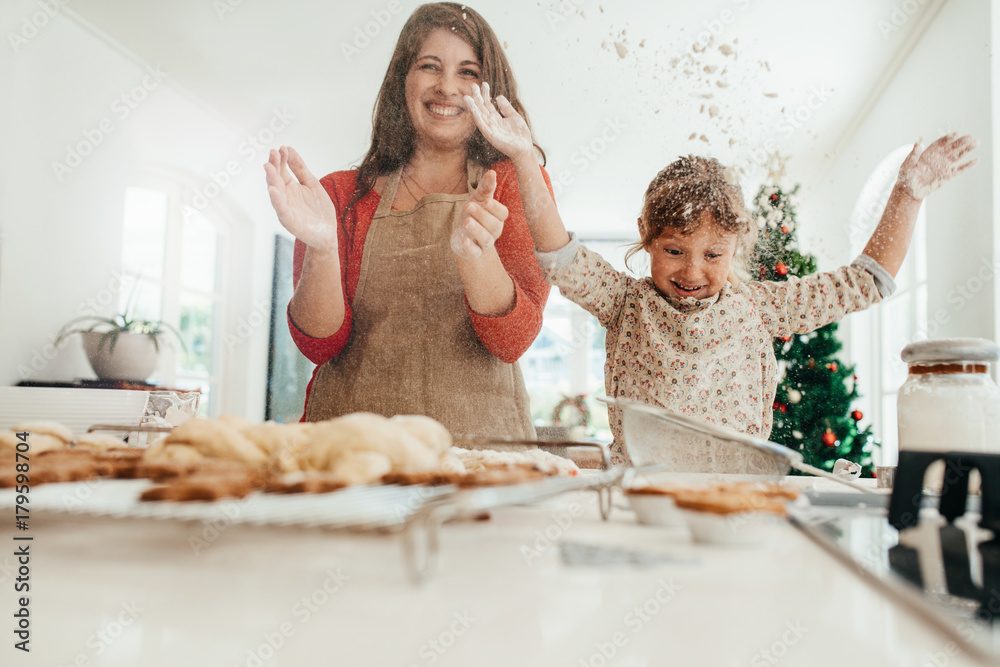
(775,167)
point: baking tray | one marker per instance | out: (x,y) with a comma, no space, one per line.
(417,511)
(358,507)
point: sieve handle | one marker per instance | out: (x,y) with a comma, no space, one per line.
(819,472)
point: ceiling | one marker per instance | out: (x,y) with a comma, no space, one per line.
(615,89)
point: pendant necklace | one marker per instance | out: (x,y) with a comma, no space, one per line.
(421,188)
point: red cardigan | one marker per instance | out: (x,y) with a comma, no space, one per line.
(507,337)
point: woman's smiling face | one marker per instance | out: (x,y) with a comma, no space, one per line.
(695,264)
(444,71)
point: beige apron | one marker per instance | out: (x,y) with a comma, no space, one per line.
(412,348)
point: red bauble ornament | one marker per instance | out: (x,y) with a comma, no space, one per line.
(774,198)
(829,439)
(832,366)
(785,339)
(784,229)
(781,407)
(781,269)
(857,415)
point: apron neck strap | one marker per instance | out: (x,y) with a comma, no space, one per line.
(389,193)
(473,169)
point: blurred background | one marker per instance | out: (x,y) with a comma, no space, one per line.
(133,135)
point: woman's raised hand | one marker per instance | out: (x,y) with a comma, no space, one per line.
(925,170)
(304,208)
(481,221)
(505,129)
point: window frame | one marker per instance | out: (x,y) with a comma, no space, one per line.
(876,358)
(179,197)
(585,361)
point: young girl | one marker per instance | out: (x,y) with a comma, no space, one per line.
(693,338)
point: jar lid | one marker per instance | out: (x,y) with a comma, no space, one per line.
(950,350)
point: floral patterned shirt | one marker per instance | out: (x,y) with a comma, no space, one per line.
(711,359)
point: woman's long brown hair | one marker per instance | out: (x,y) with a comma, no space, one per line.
(392,131)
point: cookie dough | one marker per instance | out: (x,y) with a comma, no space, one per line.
(362,431)
(37,442)
(215,438)
(429,431)
(54,429)
(100,441)
(282,443)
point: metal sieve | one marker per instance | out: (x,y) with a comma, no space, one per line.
(681,445)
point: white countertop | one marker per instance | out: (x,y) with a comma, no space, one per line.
(131,592)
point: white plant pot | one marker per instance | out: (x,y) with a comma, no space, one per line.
(134,356)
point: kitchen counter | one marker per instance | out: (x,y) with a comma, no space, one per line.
(131,592)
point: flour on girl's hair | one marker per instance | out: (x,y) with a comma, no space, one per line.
(683,192)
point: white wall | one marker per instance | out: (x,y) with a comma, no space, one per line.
(61,239)
(947,84)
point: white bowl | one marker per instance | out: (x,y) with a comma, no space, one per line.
(738,528)
(655,509)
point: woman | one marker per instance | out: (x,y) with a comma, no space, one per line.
(416,287)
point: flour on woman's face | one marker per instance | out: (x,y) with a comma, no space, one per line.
(445,69)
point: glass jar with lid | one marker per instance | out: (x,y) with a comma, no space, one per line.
(949,401)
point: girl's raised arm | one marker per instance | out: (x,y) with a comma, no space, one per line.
(922,172)
(509,133)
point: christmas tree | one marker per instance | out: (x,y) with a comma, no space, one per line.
(812,405)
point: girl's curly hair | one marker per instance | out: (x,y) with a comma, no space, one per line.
(683,192)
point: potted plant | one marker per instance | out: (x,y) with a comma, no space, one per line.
(120,347)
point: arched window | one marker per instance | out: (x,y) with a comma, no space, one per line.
(879,334)
(175,256)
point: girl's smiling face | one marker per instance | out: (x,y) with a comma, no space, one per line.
(445,69)
(695,264)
